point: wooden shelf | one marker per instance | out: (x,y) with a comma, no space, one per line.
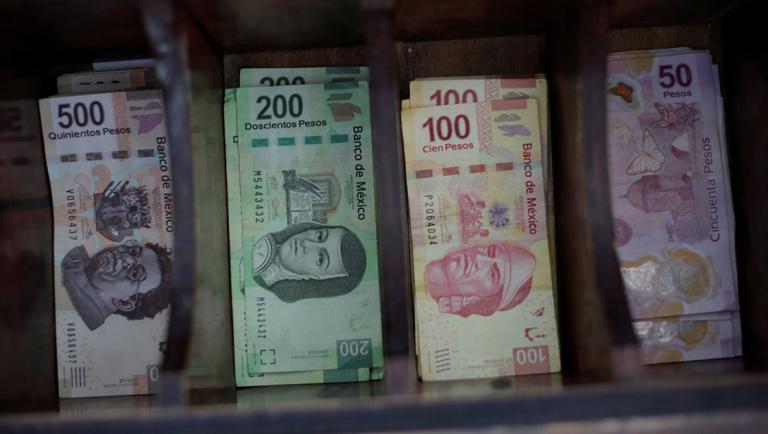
(400,402)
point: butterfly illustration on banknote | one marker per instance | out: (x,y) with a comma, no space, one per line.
(676,116)
(650,158)
(622,90)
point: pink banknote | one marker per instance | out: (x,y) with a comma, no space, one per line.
(669,184)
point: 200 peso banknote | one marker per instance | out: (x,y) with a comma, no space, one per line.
(109,169)
(260,77)
(246,375)
(310,269)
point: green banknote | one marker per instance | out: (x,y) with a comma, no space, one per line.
(308,280)
(307,377)
(245,376)
(234,217)
(258,77)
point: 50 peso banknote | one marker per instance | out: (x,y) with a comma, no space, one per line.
(669,184)
(310,268)
(690,337)
(108,163)
(483,293)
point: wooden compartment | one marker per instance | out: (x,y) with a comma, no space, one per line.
(200,46)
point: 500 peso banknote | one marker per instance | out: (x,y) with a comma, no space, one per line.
(110,176)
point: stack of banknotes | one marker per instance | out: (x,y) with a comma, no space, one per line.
(671,199)
(476,159)
(107,80)
(107,156)
(302,226)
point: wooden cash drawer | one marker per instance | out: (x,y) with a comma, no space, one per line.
(200,45)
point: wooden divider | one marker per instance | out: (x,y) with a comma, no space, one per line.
(746,106)
(391,204)
(598,338)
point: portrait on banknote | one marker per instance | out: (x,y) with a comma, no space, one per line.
(120,209)
(309,260)
(130,279)
(481,280)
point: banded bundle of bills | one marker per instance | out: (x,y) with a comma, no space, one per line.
(106,81)
(108,164)
(305,286)
(673,218)
(475,151)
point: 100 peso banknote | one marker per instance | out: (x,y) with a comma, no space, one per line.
(461,90)
(310,273)
(109,169)
(483,293)
(669,184)
(470,90)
